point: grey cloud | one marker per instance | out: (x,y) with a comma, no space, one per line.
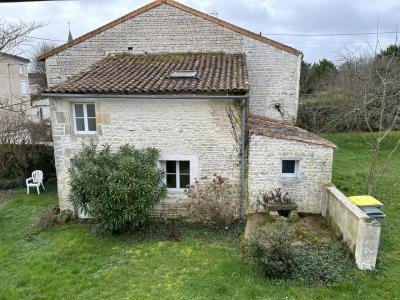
(266,16)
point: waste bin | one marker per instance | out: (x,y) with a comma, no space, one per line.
(369,205)
(373,212)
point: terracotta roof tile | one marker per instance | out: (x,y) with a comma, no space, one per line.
(281,130)
(217,73)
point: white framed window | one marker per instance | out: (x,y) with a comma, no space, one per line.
(181,171)
(21,69)
(24,88)
(84,118)
(290,167)
(177,174)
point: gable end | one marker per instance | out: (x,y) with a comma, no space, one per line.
(178,6)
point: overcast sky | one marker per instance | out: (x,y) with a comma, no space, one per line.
(266,16)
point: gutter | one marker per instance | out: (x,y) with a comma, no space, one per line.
(145,96)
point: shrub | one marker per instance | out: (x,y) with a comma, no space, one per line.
(275,196)
(214,201)
(11,184)
(323,263)
(118,189)
(23,146)
(50,217)
(273,254)
(46,219)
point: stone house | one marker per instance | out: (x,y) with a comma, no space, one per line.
(40,105)
(14,82)
(171,77)
(20,88)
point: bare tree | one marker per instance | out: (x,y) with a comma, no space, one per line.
(373,83)
(15,34)
(38,66)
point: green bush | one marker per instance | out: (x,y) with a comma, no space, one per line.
(273,253)
(10,184)
(323,263)
(46,219)
(19,161)
(118,189)
(275,256)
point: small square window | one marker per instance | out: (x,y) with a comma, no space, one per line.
(177,174)
(290,168)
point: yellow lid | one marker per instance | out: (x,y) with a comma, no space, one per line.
(365,200)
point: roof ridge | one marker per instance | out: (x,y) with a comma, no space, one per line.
(181,7)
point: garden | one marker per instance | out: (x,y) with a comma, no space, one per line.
(45,255)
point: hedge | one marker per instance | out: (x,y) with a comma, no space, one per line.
(18,161)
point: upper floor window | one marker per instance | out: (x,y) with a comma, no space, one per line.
(84,115)
(290,168)
(24,88)
(21,69)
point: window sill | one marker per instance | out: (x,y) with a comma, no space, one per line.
(85,133)
(175,191)
(289,179)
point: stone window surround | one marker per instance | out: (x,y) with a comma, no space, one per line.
(296,175)
(193,159)
(73,121)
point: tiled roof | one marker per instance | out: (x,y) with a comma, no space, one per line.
(217,73)
(178,6)
(281,130)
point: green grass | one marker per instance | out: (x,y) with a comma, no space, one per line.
(68,262)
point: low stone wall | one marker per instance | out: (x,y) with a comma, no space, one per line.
(359,232)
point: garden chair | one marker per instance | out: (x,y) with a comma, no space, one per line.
(36,181)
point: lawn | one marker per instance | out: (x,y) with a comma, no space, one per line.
(68,262)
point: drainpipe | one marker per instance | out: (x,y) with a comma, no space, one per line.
(243,156)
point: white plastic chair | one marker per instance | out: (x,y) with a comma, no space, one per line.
(37,181)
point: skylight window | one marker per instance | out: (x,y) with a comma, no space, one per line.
(184,74)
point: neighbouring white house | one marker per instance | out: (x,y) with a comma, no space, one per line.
(14,81)
(19,90)
(168,76)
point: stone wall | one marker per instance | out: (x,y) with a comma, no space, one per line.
(196,128)
(360,234)
(265,166)
(273,73)
(10,81)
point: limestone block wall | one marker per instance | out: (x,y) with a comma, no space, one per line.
(265,166)
(273,73)
(360,234)
(10,77)
(196,128)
